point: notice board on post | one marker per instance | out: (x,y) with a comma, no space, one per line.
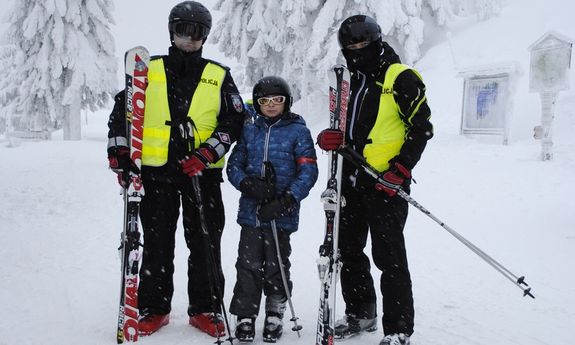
(549,69)
(487,99)
(550,63)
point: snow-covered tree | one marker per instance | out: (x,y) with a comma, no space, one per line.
(271,42)
(58,58)
(297,39)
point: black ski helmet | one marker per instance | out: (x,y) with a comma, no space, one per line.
(190,12)
(356,29)
(272,85)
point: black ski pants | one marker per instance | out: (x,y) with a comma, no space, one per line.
(159,212)
(258,270)
(368,210)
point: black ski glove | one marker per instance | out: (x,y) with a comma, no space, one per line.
(395,176)
(120,162)
(119,159)
(258,189)
(198,161)
(278,207)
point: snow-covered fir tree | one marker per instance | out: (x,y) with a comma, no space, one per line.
(297,39)
(59,58)
(266,37)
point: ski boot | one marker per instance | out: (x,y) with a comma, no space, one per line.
(395,339)
(151,323)
(245,329)
(350,326)
(209,323)
(273,327)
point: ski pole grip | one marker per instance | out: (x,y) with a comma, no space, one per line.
(358,160)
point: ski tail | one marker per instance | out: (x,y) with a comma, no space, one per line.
(328,262)
(136,65)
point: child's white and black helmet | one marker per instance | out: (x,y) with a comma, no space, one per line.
(190,18)
(272,85)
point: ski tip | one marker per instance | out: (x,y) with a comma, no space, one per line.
(140,51)
(139,48)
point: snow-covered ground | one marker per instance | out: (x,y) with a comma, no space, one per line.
(61,216)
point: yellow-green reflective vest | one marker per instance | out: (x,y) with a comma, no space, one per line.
(204,110)
(388,134)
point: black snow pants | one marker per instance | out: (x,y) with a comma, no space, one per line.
(258,270)
(368,210)
(159,212)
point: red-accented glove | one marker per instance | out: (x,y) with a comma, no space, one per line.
(120,162)
(199,160)
(330,139)
(395,175)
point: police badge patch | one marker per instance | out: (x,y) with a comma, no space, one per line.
(237,103)
(224,138)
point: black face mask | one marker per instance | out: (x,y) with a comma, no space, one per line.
(365,60)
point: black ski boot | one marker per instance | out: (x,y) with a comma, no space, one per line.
(273,327)
(350,326)
(395,339)
(245,329)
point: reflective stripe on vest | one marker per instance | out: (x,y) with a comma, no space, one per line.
(388,133)
(204,110)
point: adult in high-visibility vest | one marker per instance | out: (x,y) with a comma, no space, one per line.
(388,123)
(183,87)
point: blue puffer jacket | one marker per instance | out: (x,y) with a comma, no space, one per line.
(288,145)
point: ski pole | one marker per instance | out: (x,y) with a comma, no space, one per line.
(269,175)
(186,130)
(213,272)
(294,318)
(357,159)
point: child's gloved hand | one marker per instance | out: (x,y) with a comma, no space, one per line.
(277,208)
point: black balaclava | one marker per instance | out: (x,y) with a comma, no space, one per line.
(183,63)
(370,59)
(365,60)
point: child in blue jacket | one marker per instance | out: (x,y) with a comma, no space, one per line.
(274,136)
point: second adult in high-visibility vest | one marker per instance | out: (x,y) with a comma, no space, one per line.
(388,133)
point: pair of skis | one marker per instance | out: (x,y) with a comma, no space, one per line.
(328,262)
(136,64)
